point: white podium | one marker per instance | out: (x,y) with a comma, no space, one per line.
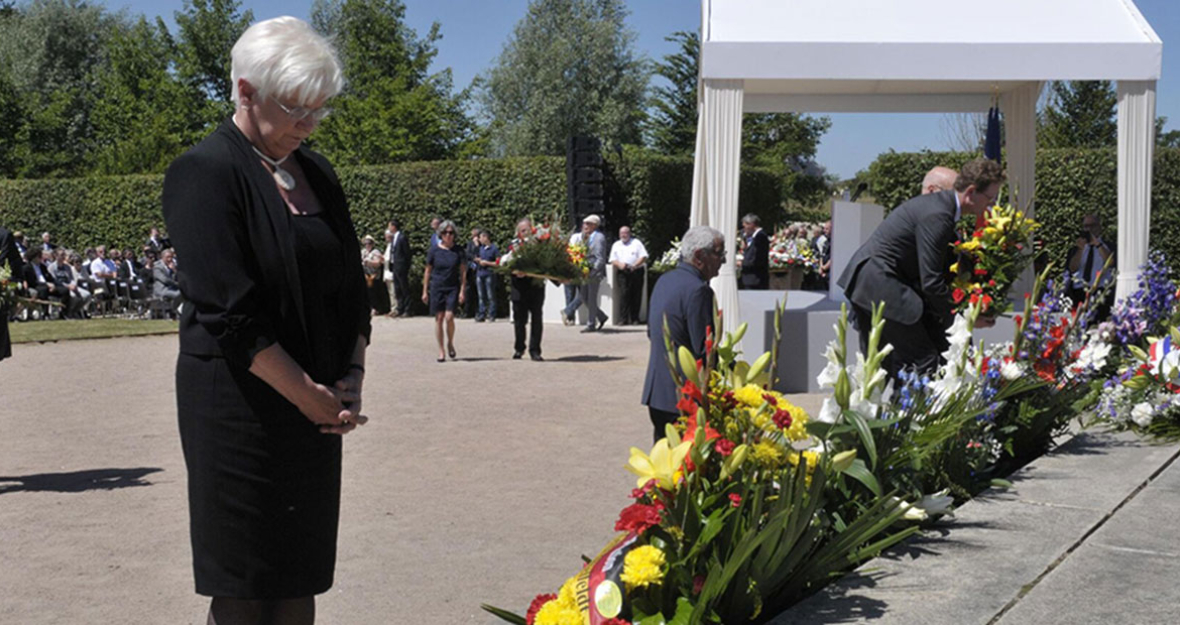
(852,224)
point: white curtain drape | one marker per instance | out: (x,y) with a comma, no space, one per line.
(716,176)
(1136,149)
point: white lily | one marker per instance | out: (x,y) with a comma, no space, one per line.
(937,503)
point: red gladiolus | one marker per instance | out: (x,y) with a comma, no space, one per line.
(698,583)
(958,295)
(536,605)
(735,500)
(691,390)
(979,271)
(637,518)
(690,429)
(724,447)
(1019,318)
(708,346)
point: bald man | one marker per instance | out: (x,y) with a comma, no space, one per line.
(939,179)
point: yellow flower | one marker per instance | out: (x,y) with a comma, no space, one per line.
(662,465)
(750,395)
(565,596)
(555,613)
(971,245)
(767,454)
(643,567)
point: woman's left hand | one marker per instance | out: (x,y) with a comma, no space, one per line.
(462,297)
(348,389)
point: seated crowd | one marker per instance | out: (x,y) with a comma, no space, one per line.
(67,284)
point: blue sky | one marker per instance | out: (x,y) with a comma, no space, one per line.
(474,31)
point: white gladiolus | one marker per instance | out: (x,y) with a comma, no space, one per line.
(827,378)
(830,411)
(937,503)
(1093,356)
(1012,371)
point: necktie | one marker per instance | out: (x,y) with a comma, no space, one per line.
(1086,271)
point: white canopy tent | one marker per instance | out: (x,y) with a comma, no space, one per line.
(908,56)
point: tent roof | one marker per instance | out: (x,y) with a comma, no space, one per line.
(890,49)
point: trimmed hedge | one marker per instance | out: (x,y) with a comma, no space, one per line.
(653,194)
(1070,183)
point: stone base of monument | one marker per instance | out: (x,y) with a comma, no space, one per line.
(807,327)
(786,279)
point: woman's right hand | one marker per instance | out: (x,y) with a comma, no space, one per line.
(322,405)
(425,298)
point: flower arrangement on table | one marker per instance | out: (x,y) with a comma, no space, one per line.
(729,522)
(547,255)
(790,252)
(998,250)
(669,260)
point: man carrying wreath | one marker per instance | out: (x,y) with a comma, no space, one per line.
(904,264)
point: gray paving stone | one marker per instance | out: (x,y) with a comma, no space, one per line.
(1001,542)
(1102,586)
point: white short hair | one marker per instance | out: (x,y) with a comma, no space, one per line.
(284,57)
(696,239)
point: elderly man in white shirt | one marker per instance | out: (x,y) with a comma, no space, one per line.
(629,257)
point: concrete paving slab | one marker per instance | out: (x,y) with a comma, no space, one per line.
(1000,544)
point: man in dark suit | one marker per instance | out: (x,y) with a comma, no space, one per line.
(41,282)
(683,299)
(11,258)
(399,265)
(528,300)
(905,263)
(755,262)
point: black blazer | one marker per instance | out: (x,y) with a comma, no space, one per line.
(686,300)
(9,254)
(905,262)
(399,261)
(756,262)
(29,275)
(233,234)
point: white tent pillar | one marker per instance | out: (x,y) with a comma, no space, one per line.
(1136,148)
(1020,138)
(716,179)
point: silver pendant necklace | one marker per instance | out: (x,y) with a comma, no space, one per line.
(282,177)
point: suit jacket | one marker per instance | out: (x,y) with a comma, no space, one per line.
(684,298)
(399,260)
(240,272)
(905,262)
(128,273)
(163,279)
(35,286)
(10,257)
(756,262)
(595,254)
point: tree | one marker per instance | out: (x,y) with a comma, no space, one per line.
(1166,139)
(567,69)
(1079,114)
(393,108)
(11,116)
(52,50)
(672,127)
(144,116)
(208,30)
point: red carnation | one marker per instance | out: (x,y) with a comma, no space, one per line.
(958,295)
(724,446)
(637,518)
(536,606)
(991,282)
(979,271)
(782,418)
(735,500)
(770,399)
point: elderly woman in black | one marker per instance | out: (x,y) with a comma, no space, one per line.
(273,337)
(444,285)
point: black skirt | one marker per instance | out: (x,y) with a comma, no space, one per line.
(264,486)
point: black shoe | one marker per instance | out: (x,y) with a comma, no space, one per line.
(602,322)
(536,357)
(588,329)
(517,355)
(479,319)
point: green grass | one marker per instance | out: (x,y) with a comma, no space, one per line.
(68,330)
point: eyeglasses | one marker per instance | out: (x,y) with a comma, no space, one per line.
(719,253)
(299,113)
(450,232)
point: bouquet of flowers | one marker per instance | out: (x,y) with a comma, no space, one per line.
(669,260)
(787,251)
(996,252)
(729,521)
(8,289)
(547,255)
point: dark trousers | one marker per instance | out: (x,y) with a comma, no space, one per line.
(917,347)
(522,309)
(659,419)
(401,290)
(632,294)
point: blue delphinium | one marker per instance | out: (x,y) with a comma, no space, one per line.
(1142,311)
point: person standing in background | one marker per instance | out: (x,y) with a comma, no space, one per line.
(11,259)
(755,262)
(528,302)
(399,265)
(629,258)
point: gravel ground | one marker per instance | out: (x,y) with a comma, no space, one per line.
(481,480)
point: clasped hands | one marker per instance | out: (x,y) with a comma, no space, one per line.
(337,409)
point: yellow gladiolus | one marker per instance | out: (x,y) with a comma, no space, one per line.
(661,465)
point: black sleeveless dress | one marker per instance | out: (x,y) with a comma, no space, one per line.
(264,483)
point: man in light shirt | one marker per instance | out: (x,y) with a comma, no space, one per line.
(629,257)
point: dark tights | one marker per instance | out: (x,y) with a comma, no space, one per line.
(228,611)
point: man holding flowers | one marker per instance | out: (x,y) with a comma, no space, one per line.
(904,264)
